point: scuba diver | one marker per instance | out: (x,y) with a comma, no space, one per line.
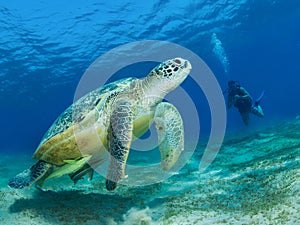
(241,99)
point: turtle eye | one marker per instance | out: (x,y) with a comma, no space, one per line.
(178,61)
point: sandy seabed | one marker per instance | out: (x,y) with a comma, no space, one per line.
(255,179)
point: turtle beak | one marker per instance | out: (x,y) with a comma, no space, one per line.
(186,68)
(187,65)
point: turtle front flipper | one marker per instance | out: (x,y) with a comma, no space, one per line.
(119,141)
(29,176)
(170,132)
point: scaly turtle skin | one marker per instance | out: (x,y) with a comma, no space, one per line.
(103,123)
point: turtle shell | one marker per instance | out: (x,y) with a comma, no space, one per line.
(58,143)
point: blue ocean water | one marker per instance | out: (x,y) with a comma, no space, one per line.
(46,47)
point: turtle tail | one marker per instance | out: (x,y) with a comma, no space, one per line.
(29,176)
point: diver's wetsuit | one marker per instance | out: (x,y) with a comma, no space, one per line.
(242,100)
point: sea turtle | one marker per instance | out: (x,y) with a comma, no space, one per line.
(103,123)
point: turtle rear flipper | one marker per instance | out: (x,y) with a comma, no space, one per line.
(29,176)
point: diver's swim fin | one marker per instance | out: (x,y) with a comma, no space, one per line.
(258,100)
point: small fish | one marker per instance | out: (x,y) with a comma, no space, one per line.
(71,166)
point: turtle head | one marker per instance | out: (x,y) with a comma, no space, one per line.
(170,74)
